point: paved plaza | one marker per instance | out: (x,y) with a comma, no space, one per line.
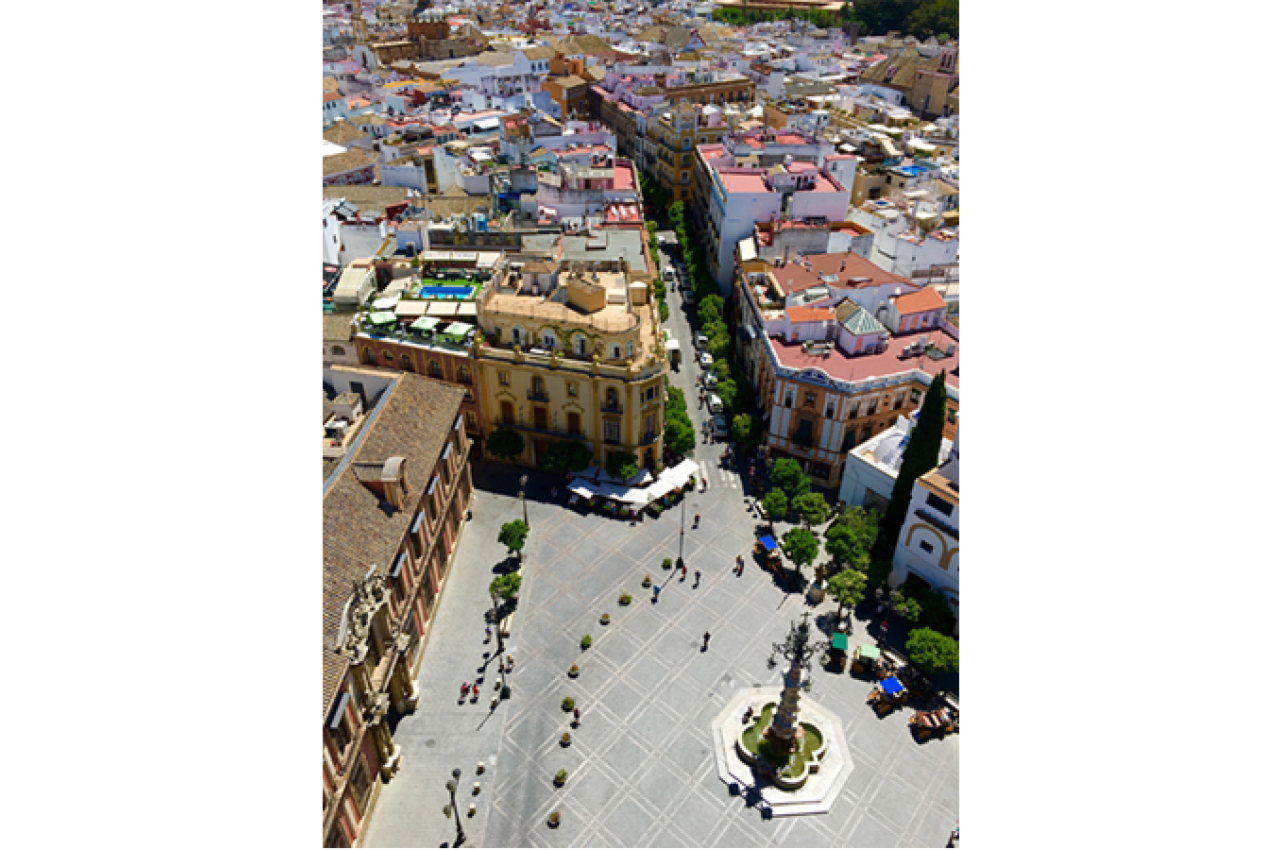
(641,767)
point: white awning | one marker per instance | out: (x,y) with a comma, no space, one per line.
(673,345)
(488,124)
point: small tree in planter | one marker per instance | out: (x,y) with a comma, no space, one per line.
(513,535)
(505,444)
(573,671)
(561,776)
(567,703)
(565,739)
(586,642)
(666,565)
(553,819)
(624,599)
(774,505)
(647,582)
(604,619)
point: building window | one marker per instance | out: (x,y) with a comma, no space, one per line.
(872,405)
(471,418)
(631,348)
(926,545)
(804,434)
(549,340)
(517,334)
(580,345)
(612,434)
(853,409)
(831,410)
(942,506)
(915,396)
(951,415)
(468,395)
(504,378)
(574,424)
(339,727)
(433,369)
(615,351)
(386,355)
(464,375)
(810,399)
(539,386)
(898,400)
(787,399)
(338,351)
(573,389)
(406,362)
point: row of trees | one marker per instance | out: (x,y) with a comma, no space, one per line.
(920,18)
(563,456)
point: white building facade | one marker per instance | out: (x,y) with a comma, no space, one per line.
(929,543)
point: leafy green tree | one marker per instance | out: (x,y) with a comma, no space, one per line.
(505,587)
(505,444)
(740,430)
(846,548)
(788,474)
(680,434)
(933,17)
(930,652)
(812,507)
(860,523)
(920,456)
(906,606)
(801,546)
(728,392)
(513,535)
(621,465)
(565,456)
(878,573)
(774,504)
(846,587)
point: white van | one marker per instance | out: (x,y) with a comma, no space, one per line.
(699,341)
(714,404)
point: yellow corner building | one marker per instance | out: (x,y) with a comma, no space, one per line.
(573,351)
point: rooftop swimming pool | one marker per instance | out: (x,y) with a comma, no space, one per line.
(445,293)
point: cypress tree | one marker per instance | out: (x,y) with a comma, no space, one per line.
(920,456)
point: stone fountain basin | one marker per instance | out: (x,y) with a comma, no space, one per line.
(747,740)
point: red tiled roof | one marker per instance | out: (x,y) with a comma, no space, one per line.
(842,367)
(919,302)
(793,276)
(800,315)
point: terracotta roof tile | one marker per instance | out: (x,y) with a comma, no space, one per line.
(919,302)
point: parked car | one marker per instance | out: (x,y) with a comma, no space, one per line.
(719,427)
(700,341)
(714,403)
(704,360)
(708,379)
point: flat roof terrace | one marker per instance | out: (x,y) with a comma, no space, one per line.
(863,367)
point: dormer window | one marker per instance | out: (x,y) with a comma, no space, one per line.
(549,340)
(517,335)
(580,345)
(615,351)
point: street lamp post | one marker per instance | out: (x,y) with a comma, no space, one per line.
(524,479)
(680,559)
(452,785)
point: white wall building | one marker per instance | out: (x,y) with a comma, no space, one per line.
(872,467)
(929,543)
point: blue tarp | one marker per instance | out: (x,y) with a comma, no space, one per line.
(768,543)
(891,685)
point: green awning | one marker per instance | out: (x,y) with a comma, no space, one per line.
(426,323)
(868,652)
(840,641)
(382,318)
(457,329)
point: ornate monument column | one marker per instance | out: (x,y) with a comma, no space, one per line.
(781,732)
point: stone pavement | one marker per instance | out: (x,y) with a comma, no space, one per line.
(641,768)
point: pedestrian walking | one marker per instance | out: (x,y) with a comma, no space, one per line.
(697,577)
(577,718)
(475,692)
(466,686)
(511,664)
(656,589)
(488,633)
(704,485)
(684,571)
(706,639)
(696,519)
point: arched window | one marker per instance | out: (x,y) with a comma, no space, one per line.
(615,351)
(338,351)
(368,356)
(631,348)
(549,340)
(611,397)
(517,335)
(407,362)
(580,345)
(464,375)
(434,370)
